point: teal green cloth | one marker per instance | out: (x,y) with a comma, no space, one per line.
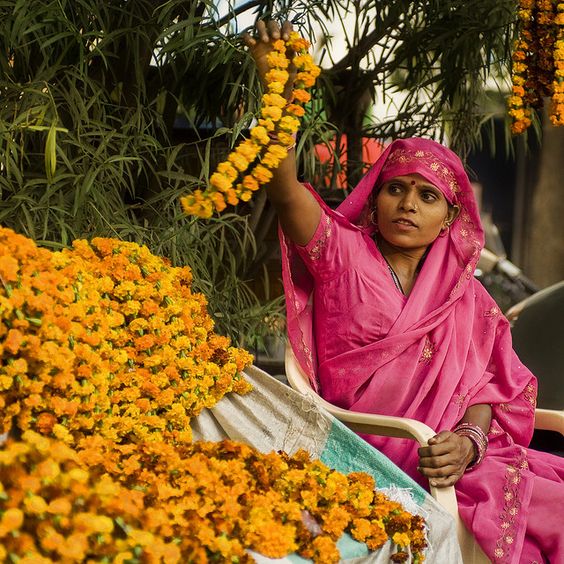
(345,452)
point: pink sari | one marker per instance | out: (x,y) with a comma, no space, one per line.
(428,356)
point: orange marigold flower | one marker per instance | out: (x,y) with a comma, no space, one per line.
(262,174)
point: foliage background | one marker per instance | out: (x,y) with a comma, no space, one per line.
(111,109)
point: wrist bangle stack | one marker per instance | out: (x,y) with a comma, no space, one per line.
(478,438)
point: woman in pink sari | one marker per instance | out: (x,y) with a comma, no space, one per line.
(385,316)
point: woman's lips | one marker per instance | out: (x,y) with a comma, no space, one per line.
(404,223)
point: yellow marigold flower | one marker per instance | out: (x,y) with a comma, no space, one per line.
(518,81)
(274,100)
(59,506)
(35,504)
(289,124)
(219,202)
(228,170)
(79,475)
(402,539)
(325,550)
(142,538)
(249,149)
(220,182)
(123,557)
(270,161)
(301,95)
(295,110)
(278,151)
(277,75)
(5,382)
(267,123)
(246,196)
(271,112)
(519,55)
(9,269)
(519,67)
(12,520)
(276,87)
(286,139)
(298,43)
(250,183)
(259,134)
(518,91)
(262,174)
(279,45)
(238,161)
(277,60)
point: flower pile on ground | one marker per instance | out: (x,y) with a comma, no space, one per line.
(106,356)
(107,339)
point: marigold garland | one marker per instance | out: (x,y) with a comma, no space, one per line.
(106,356)
(557,114)
(251,164)
(538,63)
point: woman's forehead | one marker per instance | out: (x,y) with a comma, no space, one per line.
(413,178)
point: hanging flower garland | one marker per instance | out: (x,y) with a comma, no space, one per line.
(538,59)
(557,115)
(251,164)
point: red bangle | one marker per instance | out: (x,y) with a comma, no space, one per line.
(478,438)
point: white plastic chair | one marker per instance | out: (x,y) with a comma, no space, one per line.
(388,426)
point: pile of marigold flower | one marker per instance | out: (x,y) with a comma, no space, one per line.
(106,356)
(538,63)
(250,165)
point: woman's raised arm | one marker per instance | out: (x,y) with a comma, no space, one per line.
(297,209)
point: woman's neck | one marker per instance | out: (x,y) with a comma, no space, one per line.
(406,263)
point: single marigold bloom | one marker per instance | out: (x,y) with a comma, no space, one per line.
(259,134)
(250,183)
(238,161)
(277,60)
(262,174)
(271,112)
(277,75)
(274,100)
(301,95)
(220,182)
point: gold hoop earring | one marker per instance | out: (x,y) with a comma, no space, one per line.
(444,230)
(374,218)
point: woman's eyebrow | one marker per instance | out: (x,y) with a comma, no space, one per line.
(407,181)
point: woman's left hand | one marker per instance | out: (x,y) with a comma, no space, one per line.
(446,458)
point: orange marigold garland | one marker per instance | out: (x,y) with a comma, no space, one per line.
(537,61)
(251,163)
(557,114)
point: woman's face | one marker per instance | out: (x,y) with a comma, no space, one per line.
(411,212)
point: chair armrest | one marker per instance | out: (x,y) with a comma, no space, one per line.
(389,426)
(549,420)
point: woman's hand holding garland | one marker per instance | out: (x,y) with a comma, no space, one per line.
(287,70)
